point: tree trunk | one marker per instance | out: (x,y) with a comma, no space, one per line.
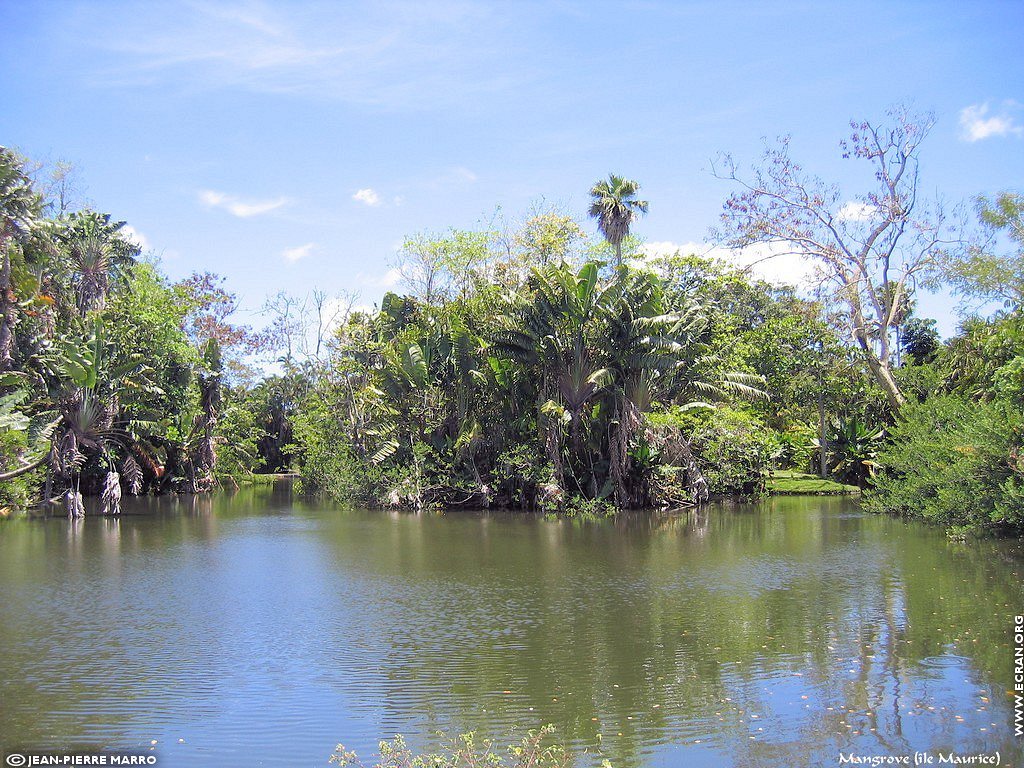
(8,311)
(879,366)
(822,443)
(19,471)
(883,375)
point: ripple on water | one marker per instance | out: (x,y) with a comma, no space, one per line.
(274,636)
(945,661)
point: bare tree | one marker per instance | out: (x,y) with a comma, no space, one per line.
(871,251)
(330,312)
(62,188)
(300,327)
(288,325)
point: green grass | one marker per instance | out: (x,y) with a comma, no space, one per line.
(794,483)
(263,479)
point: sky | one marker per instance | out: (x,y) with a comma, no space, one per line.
(294,145)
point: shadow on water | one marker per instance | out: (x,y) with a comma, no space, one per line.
(259,625)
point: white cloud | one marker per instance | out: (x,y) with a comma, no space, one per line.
(240,208)
(853,211)
(133,235)
(975,124)
(766,262)
(389,279)
(299,252)
(367,196)
(668,248)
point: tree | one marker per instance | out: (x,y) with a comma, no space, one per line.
(871,250)
(548,236)
(95,255)
(985,274)
(615,207)
(19,206)
(441,266)
(91,388)
(204,459)
(210,306)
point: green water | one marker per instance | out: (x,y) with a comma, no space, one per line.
(259,629)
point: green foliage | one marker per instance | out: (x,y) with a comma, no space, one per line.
(331,465)
(588,509)
(537,399)
(732,447)
(983,272)
(852,448)
(734,450)
(111,386)
(956,462)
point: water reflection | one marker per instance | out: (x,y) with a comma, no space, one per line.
(258,624)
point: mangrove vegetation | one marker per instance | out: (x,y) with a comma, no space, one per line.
(527,364)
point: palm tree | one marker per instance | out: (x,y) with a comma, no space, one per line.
(19,205)
(87,404)
(204,458)
(615,207)
(97,254)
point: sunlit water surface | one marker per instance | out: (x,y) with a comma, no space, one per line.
(259,629)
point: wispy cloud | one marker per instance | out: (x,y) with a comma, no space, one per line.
(456,175)
(976,124)
(299,252)
(240,208)
(463,174)
(395,54)
(367,197)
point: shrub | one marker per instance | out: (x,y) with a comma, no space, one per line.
(955,462)
(734,450)
(533,751)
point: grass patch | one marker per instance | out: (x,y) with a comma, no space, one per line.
(788,483)
(263,479)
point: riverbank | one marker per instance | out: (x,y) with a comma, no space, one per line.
(789,483)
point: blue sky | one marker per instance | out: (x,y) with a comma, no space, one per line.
(291,146)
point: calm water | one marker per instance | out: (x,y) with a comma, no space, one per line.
(261,630)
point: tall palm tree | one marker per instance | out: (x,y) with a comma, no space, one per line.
(614,205)
(19,205)
(97,254)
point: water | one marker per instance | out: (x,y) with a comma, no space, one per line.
(258,629)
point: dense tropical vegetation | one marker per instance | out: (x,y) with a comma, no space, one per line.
(529,366)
